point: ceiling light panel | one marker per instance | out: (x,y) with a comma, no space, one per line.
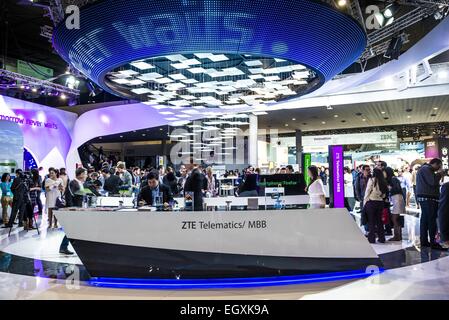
(210,80)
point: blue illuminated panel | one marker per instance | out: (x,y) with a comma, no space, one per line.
(113,33)
(167,284)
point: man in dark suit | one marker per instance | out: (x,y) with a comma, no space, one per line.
(112,182)
(443,215)
(148,193)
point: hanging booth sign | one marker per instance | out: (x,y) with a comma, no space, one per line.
(336,181)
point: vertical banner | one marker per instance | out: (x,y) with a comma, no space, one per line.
(431,149)
(438,148)
(306,163)
(336,181)
(443,148)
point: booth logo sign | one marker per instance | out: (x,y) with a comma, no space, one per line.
(371,22)
(73,19)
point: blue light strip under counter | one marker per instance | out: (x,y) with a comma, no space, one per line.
(231,283)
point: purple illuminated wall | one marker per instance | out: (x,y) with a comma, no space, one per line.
(114,120)
(53,136)
(46,131)
(337,184)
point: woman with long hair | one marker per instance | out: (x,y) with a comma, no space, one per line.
(397,200)
(64,178)
(6,200)
(315,189)
(53,188)
(35,190)
(376,191)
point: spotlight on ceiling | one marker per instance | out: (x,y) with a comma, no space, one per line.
(390,10)
(386,16)
(341,3)
(443,74)
(394,48)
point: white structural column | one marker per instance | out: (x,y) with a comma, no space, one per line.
(252,140)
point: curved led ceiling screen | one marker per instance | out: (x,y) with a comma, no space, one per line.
(210,52)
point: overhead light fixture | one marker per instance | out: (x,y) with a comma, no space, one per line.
(442,74)
(390,10)
(389,81)
(341,3)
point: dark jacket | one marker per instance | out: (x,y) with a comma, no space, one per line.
(195,183)
(360,186)
(146,194)
(19,190)
(427,182)
(170,181)
(112,184)
(249,184)
(72,198)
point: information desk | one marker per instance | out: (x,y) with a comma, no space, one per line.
(232,244)
(243,201)
(216,201)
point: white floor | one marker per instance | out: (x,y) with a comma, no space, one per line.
(429,280)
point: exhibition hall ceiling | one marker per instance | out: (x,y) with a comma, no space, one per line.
(373,114)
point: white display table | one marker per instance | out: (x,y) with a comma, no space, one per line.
(135,244)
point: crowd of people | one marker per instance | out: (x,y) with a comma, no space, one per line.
(383,193)
(23,194)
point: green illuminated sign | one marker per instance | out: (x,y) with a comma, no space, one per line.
(307,162)
(34,70)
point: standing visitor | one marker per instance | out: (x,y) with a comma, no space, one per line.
(170,181)
(406,185)
(376,191)
(427,194)
(20,200)
(315,189)
(124,175)
(64,177)
(53,189)
(211,183)
(6,200)
(194,184)
(323,175)
(398,201)
(35,190)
